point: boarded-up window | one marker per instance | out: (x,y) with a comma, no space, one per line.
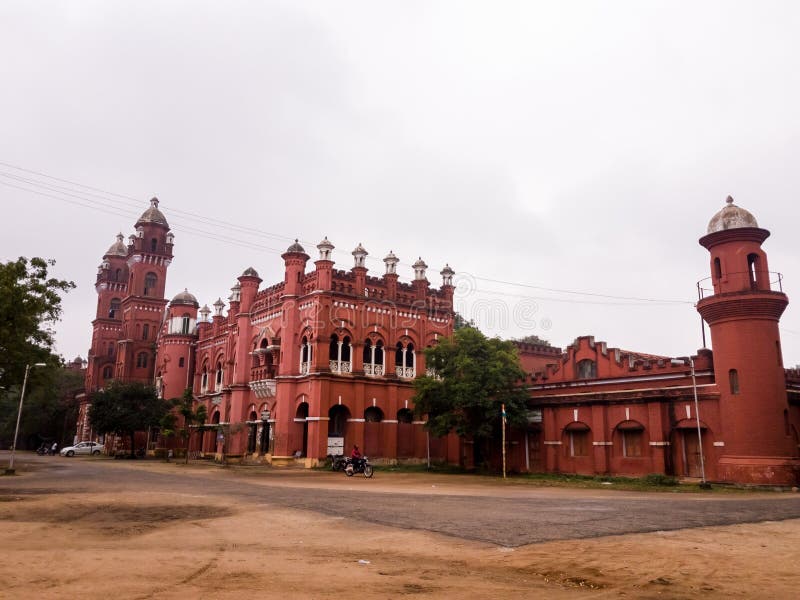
(632,443)
(578,443)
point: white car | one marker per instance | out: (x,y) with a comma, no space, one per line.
(83,448)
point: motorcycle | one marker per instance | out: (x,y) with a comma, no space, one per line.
(338,462)
(43,450)
(358,465)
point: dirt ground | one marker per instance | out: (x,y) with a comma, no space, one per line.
(158,545)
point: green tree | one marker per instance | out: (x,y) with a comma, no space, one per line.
(124,408)
(191,416)
(30,304)
(474,376)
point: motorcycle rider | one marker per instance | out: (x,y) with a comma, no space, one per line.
(355,455)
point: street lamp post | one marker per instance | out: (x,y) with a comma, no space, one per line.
(10,469)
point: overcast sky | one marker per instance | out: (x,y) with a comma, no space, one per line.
(573,146)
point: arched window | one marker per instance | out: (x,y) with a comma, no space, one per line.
(185,324)
(218,380)
(118,275)
(630,440)
(110,349)
(373,414)
(337,420)
(373,358)
(339,355)
(141,360)
(153,245)
(333,353)
(404,415)
(587,369)
(305,355)
(578,441)
(405,360)
(113,311)
(150,281)
(752,268)
(145,331)
(181,362)
(733,379)
(204,380)
(107,371)
(717,268)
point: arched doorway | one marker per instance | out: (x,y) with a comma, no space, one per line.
(405,433)
(301,429)
(252,432)
(338,416)
(687,448)
(215,431)
(372,431)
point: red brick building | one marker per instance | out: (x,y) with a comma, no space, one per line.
(326,358)
(305,367)
(600,410)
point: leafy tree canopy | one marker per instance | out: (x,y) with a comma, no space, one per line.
(30,303)
(126,407)
(474,376)
(50,410)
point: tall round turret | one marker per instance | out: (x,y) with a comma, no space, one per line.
(742,307)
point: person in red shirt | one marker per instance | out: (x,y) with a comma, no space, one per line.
(356,453)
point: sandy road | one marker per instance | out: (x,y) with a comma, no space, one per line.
(152,530)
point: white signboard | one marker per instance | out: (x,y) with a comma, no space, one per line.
(535,415)
(335,446)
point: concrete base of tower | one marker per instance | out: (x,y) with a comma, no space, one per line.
(759,470)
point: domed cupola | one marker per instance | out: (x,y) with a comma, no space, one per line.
(118,248)
(250,272)
(731,217)
(296,247)
(153,215)
(185,298)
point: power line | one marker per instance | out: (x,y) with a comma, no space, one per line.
(122,209)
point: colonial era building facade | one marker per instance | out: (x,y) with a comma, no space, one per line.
(301,369)
(326,358)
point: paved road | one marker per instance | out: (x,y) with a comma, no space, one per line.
(502,515)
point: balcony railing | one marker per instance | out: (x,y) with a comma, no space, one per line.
(743,280)
(341,366)
(305,368)
(405,372)
(264,388)
(373,370)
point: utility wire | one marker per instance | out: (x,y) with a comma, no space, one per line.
(128,207)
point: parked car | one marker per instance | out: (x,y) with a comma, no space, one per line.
(83,448)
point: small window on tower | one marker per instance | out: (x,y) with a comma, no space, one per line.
(150,284)
(113,311)
(185,324)
(107,372)
(141,360)
(153,245)
(717,268)
(181,362)
(145,331)
(733,377)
